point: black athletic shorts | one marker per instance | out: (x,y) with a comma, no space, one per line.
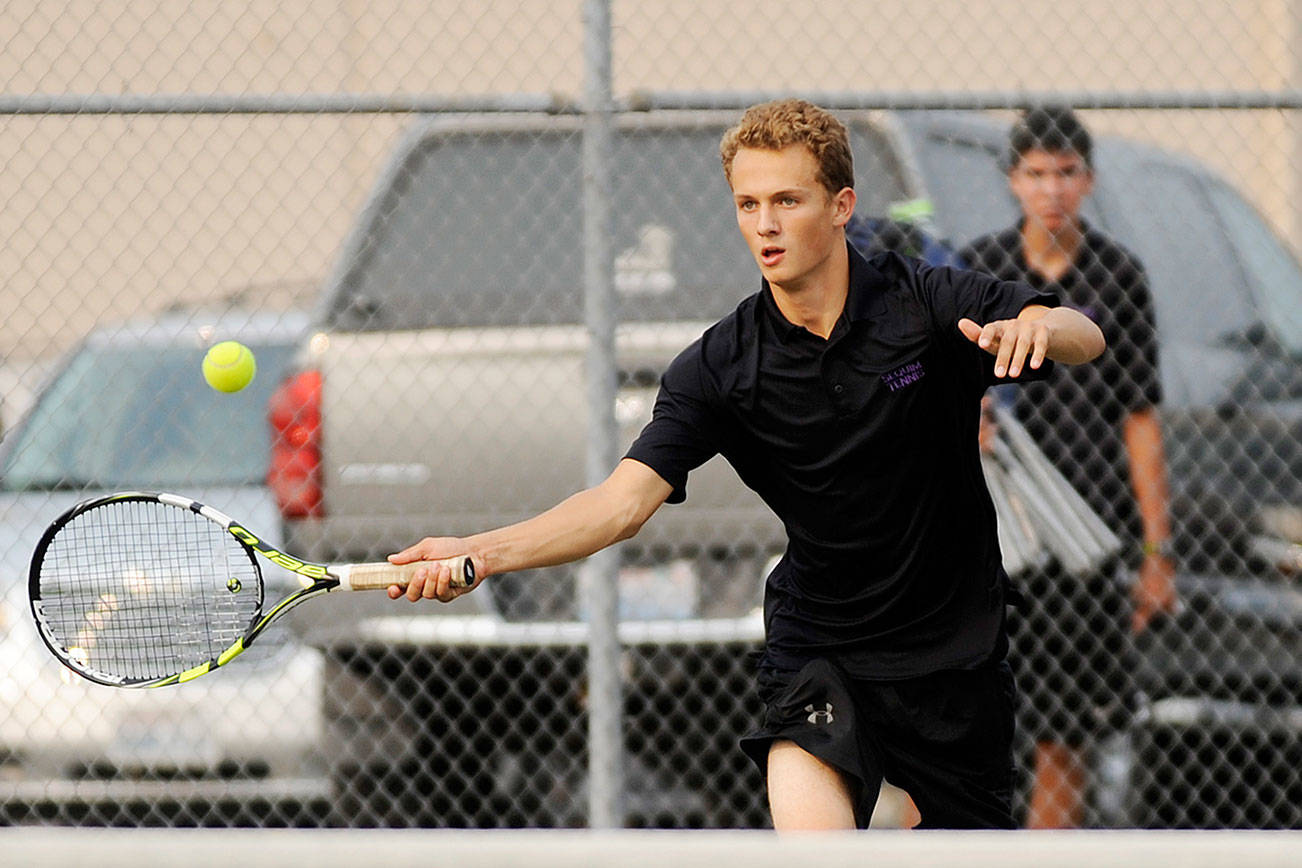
(1072,655)
(946,738)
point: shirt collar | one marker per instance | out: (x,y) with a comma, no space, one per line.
(868,285)
(1088,238)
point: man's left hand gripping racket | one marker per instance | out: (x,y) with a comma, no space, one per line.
(141,590)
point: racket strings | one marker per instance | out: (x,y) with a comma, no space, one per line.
(144,589)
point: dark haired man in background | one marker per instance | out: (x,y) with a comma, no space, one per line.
(1099,425)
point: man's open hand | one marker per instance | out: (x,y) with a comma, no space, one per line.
(1011,341)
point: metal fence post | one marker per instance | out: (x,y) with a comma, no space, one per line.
(605,742)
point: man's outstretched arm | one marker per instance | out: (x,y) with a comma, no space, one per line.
(576,527)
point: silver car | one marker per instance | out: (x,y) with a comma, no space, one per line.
(129,408)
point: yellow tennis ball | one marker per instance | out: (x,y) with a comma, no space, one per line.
(229,366)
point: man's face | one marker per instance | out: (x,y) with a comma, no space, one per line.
(1051,185)
(789,220)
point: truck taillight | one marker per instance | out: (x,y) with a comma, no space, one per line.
(294,475)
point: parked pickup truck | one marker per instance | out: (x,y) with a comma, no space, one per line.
(442,392)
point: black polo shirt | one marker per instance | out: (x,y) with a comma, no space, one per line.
(865,446)
(1078,415)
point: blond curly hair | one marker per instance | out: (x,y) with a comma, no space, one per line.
(782,123)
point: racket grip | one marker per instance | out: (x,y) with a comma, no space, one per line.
(378,576)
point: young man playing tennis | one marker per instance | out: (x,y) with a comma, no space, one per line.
(846,393)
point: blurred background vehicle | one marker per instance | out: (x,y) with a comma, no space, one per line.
(488,319)
(128,409)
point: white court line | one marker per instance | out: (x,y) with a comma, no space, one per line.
(195,848)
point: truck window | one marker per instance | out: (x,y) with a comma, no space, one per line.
(1199,289)
(968,188)
(1272,271)
(486,229)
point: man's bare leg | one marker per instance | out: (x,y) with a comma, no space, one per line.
(806,793)
(1058,789)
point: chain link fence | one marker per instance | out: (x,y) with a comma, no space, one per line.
(464,242)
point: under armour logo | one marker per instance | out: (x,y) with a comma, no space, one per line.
(822,715)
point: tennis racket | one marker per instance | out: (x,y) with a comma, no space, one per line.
(140,589)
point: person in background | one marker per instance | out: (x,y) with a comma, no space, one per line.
(1099,425)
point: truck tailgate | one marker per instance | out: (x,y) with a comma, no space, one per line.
(490,429)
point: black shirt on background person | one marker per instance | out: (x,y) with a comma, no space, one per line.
(1076,415)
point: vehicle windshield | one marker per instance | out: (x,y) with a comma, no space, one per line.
(1272,272)
(142,416)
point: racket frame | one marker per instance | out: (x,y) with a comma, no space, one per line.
(317,579)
